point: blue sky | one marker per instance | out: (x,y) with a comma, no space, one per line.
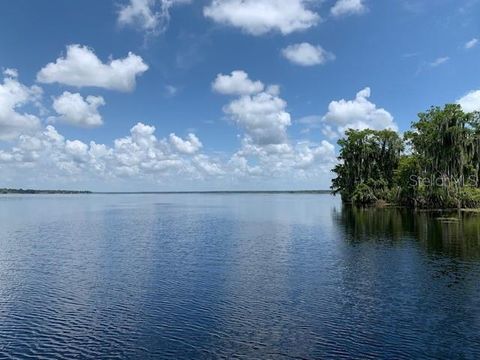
(218,94)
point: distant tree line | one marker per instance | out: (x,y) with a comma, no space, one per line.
(31,191)
(434,165)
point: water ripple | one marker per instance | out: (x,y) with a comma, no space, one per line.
(271,277)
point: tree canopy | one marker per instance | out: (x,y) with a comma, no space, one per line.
(436,164)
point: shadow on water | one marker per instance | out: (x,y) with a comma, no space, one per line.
(454,234)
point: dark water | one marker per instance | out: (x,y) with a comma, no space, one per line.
(234,276)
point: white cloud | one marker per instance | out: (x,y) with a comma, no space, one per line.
(151,16)
(206,166)
(9,72)
(13,96)
(348,7)
(262,116)
(81,67)
(471,44)
(305,54)
(143,135)
(189,146)
(359,113)
(259,17)
(139,13)
(439,61)
(470,102)
(237,83)
(77,149)
(308,155)
(140,154)
(301,160)
(75,110)
(142,158)
(266,152)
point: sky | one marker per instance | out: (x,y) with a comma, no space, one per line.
(177,95)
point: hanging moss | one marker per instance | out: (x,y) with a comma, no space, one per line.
(441,169)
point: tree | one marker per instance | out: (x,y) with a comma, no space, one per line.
(441,169)
(445,141)
(367,157)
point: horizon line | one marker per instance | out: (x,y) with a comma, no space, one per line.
(67,191)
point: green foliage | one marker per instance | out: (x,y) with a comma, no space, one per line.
(405,178)
(366,156)
(470,197)
(363,195)
(443,159)
(445,141)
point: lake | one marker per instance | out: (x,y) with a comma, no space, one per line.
(234,276)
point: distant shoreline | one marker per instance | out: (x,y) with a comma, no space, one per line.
(67,192)
(219,192)
(35,192)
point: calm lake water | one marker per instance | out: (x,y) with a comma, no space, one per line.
(246,276)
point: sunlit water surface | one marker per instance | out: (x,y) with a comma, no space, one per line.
(247,276)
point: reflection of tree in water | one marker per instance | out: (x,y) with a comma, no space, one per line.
(455,234)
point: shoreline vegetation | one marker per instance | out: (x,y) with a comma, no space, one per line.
(434,166)
(32,191)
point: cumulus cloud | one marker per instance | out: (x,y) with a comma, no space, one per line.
(151,16)
(261,113)
(301,160)
(259,17)
(206,166)
(138,154)
(77,150)
(9,72)
(141,157)
(266,149)
(75,110)
(258,111)
(140,13)
(359,114)
(306,54)
(189,146)
(470,102)
(471,44)
(308,155)
(81,67)
(13,97)
(262,116)
(348,7)
(237,83)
